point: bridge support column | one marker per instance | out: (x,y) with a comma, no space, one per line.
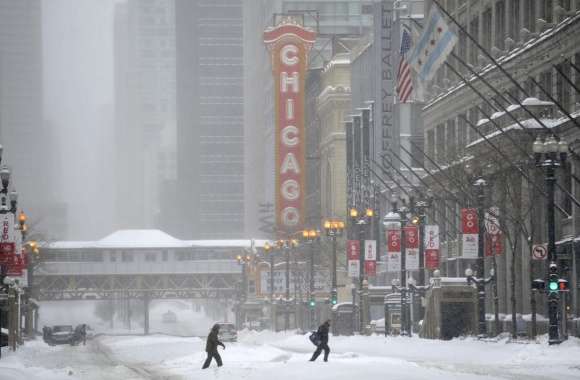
(146,301)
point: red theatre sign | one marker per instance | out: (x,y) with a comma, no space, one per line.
(289,44)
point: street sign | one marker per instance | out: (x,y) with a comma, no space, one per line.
(539,252)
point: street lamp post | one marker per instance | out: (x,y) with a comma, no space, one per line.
(480,185)
(311,236)
(269,249)
(287,245)
(480,283)
(546,156)
(361,220)
(333,230)
(243,260)
(398,220)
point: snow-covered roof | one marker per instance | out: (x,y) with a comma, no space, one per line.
(151,239)
(527,124)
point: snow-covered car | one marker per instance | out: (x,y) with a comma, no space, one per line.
(60,334)
(228,332)
(169,317)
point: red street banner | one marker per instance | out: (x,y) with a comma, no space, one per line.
(411,237)
(493,244)
(353,249)
(289,44)
(393,241)
(469,221)
(431,259)
(371,267)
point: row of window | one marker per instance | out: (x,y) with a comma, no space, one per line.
(447,141)
(131,256)
(516,19)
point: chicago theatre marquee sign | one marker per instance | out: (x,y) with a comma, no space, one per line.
(289,44)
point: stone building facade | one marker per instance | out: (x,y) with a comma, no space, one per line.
(532,40)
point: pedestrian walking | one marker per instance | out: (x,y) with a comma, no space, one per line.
(323,339)
(84,333)
(211,347)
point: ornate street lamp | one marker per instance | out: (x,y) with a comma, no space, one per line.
(551,154)
(311,236)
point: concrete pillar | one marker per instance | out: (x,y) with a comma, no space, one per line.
(146,301)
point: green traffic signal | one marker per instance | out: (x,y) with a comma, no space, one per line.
(333,301)
(553,286)
(312,303)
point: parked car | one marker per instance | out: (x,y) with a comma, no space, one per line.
(64,334)
(228,332)
(60,334)
(169,317)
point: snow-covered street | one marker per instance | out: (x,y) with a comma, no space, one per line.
(280,356)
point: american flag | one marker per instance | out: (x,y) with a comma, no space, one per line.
(404,82)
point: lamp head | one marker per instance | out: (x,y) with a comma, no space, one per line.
(5,176)
(22,217)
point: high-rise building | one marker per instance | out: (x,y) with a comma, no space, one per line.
(210,118)
(26,139)
(145,113)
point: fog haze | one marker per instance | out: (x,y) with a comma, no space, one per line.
(78,106)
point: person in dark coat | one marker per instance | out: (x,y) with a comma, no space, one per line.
(323,337)
(83,334)
(211,347)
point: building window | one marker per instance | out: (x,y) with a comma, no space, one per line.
(451,140)
(440,143)
(500,24)
(431,144)
(563,94)
(461,134)
(126,257)
(113,257)
(150,256)
(515,20)
(474,31)
(165,255)
(530,15)
(473,118)
(546,83)
(443,220)
(462,50)
(486,24)
(548,8)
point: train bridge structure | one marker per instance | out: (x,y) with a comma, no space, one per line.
(148,264)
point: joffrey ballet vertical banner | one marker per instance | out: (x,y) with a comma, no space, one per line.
(289,44)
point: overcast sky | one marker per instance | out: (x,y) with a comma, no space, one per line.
(78,99)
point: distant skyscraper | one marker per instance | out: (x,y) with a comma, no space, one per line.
(145,112)
(28,149)
(210,118)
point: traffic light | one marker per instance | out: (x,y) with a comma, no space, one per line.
(553,278)
(312,302)
(563,285)
(538,284)
(333,297)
